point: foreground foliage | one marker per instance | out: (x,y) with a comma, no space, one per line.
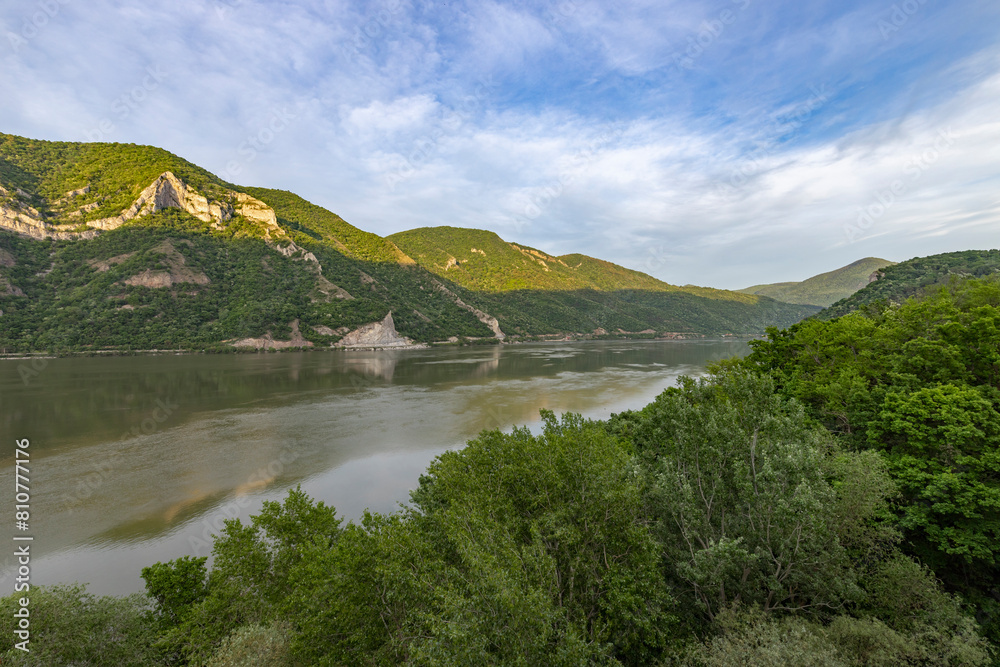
(826,501)
(919,383)
(72,627)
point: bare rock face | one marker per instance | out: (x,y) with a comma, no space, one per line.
(6,289)
(168,191)
(376,334)
(485,318)
(267,342)
(76,193)
(22,222)
(178,272)
(27,224)
(258,211)
(150,278)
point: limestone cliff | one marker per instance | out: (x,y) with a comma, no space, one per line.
(166,191)
(485,318)
(376,334)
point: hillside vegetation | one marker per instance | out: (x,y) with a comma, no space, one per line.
(112,174)
(826,288)
(912,277)
(170,282)
(119,246)
(531,291)
(480,260)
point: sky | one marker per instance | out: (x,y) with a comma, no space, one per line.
(721,143)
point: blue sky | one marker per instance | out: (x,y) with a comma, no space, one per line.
(720,143)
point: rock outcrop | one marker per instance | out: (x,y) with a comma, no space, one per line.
(6,289)
(267,342)
(168,191)
(177,271)
(258,211)
(376,334)
(26,221)
(485,318)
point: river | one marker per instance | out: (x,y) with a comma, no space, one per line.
(135,460)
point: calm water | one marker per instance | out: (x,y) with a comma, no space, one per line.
(139,459)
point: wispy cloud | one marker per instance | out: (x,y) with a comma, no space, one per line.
(722,144)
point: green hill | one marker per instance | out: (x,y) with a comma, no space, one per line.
(119,246)
(915,276)
(482,261)
(826,288)
(529,290)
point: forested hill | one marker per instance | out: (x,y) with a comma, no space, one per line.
(120,246)
(827,288)
(481,260)
(901,281)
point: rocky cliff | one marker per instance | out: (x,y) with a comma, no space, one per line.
(376,334)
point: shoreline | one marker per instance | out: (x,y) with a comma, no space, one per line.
(553,338)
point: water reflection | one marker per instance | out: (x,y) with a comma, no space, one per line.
(138,459)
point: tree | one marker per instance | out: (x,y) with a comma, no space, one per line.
(176,586)
(941,444)
(519,549)
(250,580)
(70,626)
(742,492)
(922,391)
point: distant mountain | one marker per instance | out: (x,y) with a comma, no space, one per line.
(112,246)
(910,278)
(482,261)
(531,290)
(826,288)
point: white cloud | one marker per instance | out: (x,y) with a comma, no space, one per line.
(401,114)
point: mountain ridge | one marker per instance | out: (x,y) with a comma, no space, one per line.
(827,288)
(916,276)
(118,246)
